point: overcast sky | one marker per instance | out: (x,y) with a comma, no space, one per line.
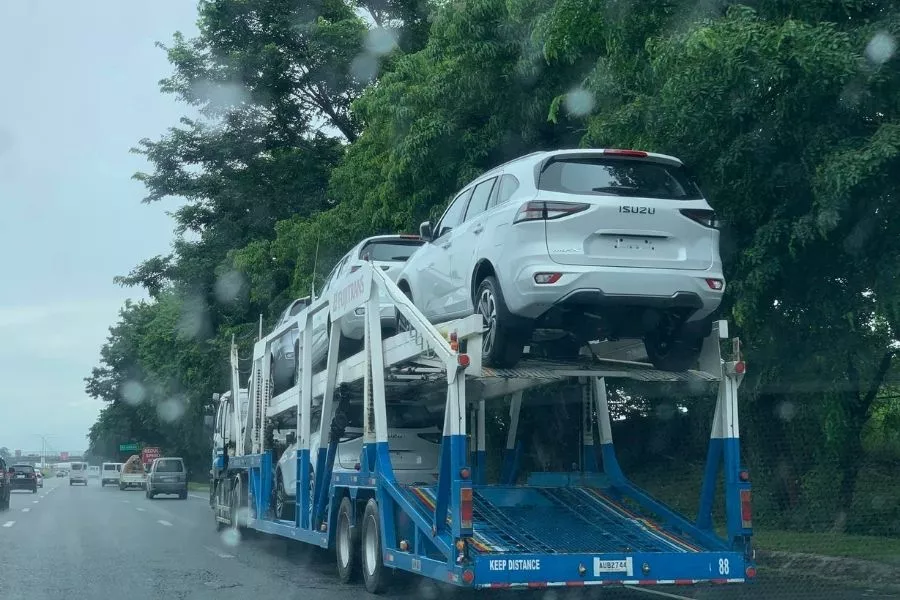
(79,89)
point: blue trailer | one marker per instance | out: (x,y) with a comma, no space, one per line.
(590,526)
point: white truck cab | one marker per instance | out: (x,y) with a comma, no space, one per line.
(79,473)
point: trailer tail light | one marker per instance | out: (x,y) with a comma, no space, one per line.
(468,576)
(465,508)
(751,572)
(540,210)
(746,510)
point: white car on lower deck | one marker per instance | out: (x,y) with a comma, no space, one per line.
(561,248)
(415,444)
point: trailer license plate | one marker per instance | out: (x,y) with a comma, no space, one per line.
(612,566)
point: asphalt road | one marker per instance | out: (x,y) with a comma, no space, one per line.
(89,542)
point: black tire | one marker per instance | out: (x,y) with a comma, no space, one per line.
(4,504)
(284,509)
(565,348)
(346,550)
(183,495)
(502,343)
(402,322)
(672,353)
(34,490)
(375,575)
(70,483)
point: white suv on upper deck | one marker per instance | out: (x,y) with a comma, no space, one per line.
(559,248)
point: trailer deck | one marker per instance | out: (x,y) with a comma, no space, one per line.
(591,526)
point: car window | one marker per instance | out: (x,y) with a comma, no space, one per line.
(169,465)
(332,275)
(508,186)
(390,250)
(109,467)
(76,467)
(23,468)
(480,197)
(453,215)
(612,177)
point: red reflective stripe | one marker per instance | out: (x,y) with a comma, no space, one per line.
(577,583)
(647,582)
(537,584)
(500,585)
(718,581)
(684,582)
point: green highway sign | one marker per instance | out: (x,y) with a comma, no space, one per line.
(129,447)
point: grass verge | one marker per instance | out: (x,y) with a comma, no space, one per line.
(879,549)
(194,486)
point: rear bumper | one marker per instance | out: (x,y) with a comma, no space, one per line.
(598,288)
(22,484)
(168,488)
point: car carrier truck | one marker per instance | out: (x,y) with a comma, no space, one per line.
(590,526)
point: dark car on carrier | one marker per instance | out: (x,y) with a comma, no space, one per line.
(22,477)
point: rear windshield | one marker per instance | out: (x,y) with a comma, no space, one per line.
(76,466)
(23,468)
(109,467)
(611,177)
(390,250)
(169,466)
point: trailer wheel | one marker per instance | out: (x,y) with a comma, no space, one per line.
(375,575)
(284,509)
(347,537)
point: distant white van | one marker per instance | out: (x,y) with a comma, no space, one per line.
(109,473)
(79,473)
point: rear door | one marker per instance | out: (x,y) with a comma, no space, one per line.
(624,211)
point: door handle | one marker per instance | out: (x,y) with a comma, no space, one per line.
(445,245)
(478,229)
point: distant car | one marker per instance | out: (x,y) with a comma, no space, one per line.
(556,249)
(4,485)
(23,477)
(94,472)
(388,252)
(78,473)
(109,473)
(40,478)
(167,475)
(60,473)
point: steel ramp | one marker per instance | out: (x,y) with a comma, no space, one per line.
(559,520)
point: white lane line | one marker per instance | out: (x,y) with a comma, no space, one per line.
(658,593)
(9,523)
(198,497)
(126,501)
(35,501)
(218,553)
(141,509)
(26,509)
(166,523)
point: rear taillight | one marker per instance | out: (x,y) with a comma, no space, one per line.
(433,437)
(705,217)
(746,510)
(540,210)
(465,508)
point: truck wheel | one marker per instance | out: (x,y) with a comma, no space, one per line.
(502,343)
(347,537)
(375,575)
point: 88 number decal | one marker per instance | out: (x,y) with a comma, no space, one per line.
(723,566)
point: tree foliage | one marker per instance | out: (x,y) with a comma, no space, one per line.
(323,122)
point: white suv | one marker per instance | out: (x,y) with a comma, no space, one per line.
(555,249)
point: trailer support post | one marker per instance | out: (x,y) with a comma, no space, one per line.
(588,454)
(509,471)
(607,449)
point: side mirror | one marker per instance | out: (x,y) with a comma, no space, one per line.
(425,231)
(291,438)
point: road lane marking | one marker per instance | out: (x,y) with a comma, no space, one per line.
(25,509)
(218,553)
(198,497)
(35,501)
(126,501)
(166,523)
(658,593)
(140,508)
(9,523)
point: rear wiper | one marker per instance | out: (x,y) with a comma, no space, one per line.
(618,190)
